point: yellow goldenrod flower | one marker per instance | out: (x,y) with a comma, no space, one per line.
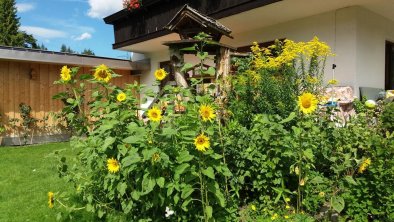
(113,165)
(201,142)
(286,216)
(322,194)
(154,114)
(160,74)
(312,80)
(307,103)
(65,74)
(51,199)
(121,97)
(333,82)
(207,113)
(364,165)
(253,207)
(288,207)
(287,199)
(102,73)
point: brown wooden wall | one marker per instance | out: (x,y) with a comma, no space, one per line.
(16,86)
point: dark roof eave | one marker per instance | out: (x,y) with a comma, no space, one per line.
(216,15)
(147,37)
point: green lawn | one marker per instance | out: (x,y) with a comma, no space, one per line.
(27,174)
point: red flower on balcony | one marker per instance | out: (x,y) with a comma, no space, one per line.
(132,4)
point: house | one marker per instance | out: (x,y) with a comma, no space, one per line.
(27,76)
(360,32)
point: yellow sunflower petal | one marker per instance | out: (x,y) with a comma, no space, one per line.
(65,74)
(202,143)
(154,114)
(102,73)
(121,97)
(207,113)
(307,103)
(113,165)
(160,74)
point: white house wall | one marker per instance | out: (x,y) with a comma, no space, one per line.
(356,35)
(373,31)
(336,28)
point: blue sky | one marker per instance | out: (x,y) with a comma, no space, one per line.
(76,23)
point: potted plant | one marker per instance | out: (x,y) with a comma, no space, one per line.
(132,4)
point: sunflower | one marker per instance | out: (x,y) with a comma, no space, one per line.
(307,103)
(102,73)
(113,165)
(121,97)
(154,114)
(207,113)
(160,74)
(201,142)
(65,74)
(51,200)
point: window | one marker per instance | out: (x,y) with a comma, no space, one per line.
(389,80)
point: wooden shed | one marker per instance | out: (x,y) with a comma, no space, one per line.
(27,76)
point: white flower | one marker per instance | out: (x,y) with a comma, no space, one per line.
(169,212)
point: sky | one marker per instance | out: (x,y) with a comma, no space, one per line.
(76,23)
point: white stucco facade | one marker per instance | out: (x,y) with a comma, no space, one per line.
(356,35)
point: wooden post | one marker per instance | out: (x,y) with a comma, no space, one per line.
(177,61)
(223,66)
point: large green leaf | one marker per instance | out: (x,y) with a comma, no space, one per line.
(148,184)
(308,153)
(108,142)
(132,159)
(186,67)
(350,180)
(160,181)
(289,118)
(186,192)
(184,156)
(209,172)
(181,168)
(122,188)
(338,203)
(202,55)
(133,139)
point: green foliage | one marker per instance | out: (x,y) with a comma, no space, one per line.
(9,27)
(267,158)
(87,52)
(161,170)
(387,117)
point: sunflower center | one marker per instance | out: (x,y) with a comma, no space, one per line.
(206,113)
(154,114)
(306,103)
(102,74)
(200,140)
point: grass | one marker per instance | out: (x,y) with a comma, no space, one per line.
(27,174)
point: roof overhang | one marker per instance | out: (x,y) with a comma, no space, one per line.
(269,15)
(41,56)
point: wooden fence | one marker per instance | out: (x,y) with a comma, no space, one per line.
(32,84)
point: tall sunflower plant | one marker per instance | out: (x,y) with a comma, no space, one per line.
(167,167)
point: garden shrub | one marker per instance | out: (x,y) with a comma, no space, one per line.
(274,151)
(387,117)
